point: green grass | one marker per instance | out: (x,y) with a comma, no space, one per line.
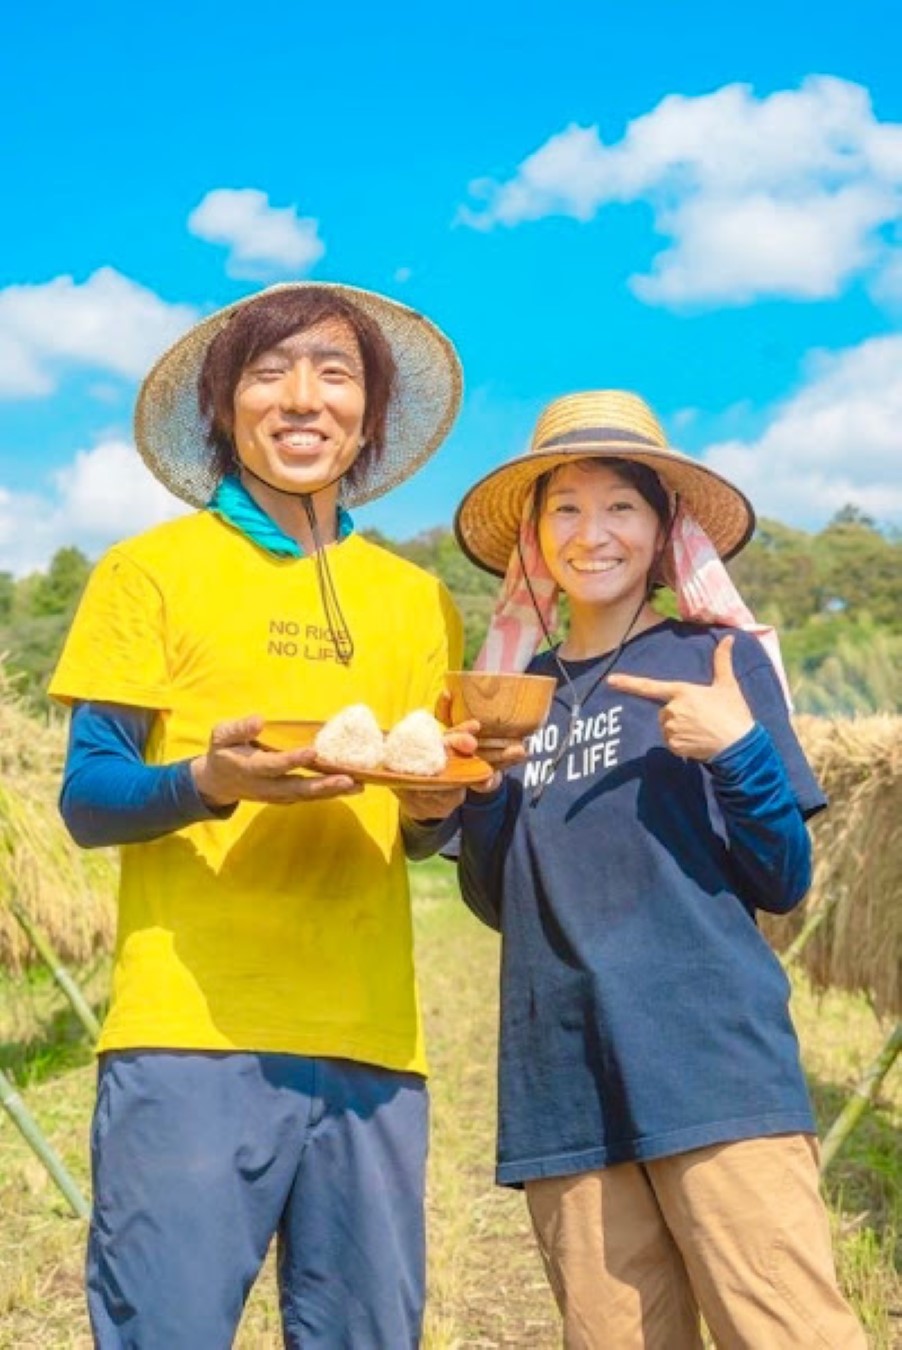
(486,1283)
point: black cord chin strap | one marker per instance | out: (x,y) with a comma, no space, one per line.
(337,628)
(336,625)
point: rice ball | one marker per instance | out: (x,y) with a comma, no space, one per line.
(351,739)
(416,745)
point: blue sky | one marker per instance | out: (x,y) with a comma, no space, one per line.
(696,201)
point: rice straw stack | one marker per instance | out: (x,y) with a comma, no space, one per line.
(67,892)
(858,860)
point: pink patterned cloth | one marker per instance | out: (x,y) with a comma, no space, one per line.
(704,592)
(515,628)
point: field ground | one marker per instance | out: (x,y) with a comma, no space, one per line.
(486,1285)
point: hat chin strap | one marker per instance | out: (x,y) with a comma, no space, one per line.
(336,624)
(288,492)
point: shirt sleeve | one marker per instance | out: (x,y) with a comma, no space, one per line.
(765,698)
(110,796)
(116,649)
(424,838)
(480,852)
(768,842)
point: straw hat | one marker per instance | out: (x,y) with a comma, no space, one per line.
(603,424)
(170,433)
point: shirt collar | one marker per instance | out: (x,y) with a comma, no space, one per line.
(232,502)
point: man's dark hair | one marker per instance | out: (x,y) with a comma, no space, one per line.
(265,322)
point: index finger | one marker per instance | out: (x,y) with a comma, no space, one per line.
(662,691)
(269,763)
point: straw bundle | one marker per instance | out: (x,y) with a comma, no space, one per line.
(66,892)
(858,860)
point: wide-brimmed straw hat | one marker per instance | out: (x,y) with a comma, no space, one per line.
(171,435)
(602,424)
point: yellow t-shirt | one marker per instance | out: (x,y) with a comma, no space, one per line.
(282,928)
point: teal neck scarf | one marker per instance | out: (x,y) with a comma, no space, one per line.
(234,504)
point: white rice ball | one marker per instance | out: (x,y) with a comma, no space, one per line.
(352,739)
(416,745)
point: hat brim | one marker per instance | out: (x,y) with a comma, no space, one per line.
(487,521)
(171,436)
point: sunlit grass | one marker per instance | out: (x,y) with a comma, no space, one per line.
(486,1283)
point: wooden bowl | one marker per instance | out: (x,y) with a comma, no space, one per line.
(507,706)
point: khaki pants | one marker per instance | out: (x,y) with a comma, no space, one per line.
(738,1231)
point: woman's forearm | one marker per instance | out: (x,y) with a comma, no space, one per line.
(767,838)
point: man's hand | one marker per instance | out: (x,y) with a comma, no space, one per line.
(429,805)
(698,721)
(235,769)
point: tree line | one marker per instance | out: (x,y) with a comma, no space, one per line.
(835,596)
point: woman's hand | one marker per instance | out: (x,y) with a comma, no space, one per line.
(235,769)
(698,721)
(465,740)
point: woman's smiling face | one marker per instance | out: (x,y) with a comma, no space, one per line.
(598,535)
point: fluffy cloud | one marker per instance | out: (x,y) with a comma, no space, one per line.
(107,323)
(836,441)
(264,241)
(781,196)
(105,494)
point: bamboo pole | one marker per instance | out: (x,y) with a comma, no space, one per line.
(862,1098)
(22,1117)
(808,929)
(59,972)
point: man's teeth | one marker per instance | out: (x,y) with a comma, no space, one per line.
(301,440)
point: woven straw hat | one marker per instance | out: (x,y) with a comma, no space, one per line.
(170,433)
(603,424)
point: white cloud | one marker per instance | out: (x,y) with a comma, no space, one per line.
(265,241)
(784,195)
(837,440)
(103,495)
(107,323)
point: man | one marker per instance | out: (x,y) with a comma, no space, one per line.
(261,1066)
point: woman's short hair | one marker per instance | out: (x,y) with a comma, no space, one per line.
(639,476)
(262,324)
(635,475)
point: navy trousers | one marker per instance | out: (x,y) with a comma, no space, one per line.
(200,1159)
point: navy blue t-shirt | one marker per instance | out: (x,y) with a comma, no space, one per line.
(642,1012)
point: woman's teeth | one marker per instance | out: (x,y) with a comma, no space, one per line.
(607,565)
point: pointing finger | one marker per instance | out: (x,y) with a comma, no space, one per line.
(662,691)
(723,662)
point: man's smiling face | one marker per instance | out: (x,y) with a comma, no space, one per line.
(299,408)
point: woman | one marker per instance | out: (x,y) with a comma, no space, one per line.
(652,1102)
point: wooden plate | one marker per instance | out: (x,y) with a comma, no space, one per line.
(461,770)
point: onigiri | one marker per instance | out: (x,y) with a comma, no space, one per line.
(416,745)
(351,739)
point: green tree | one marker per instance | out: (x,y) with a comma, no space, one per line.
(7,596)
(59,589)
(776,574)
(858,570)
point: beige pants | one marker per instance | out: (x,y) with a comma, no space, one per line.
(738,1231)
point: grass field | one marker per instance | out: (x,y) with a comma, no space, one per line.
(486,1284)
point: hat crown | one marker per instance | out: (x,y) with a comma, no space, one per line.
(609,410)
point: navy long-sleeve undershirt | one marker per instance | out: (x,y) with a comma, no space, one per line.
(110,795)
